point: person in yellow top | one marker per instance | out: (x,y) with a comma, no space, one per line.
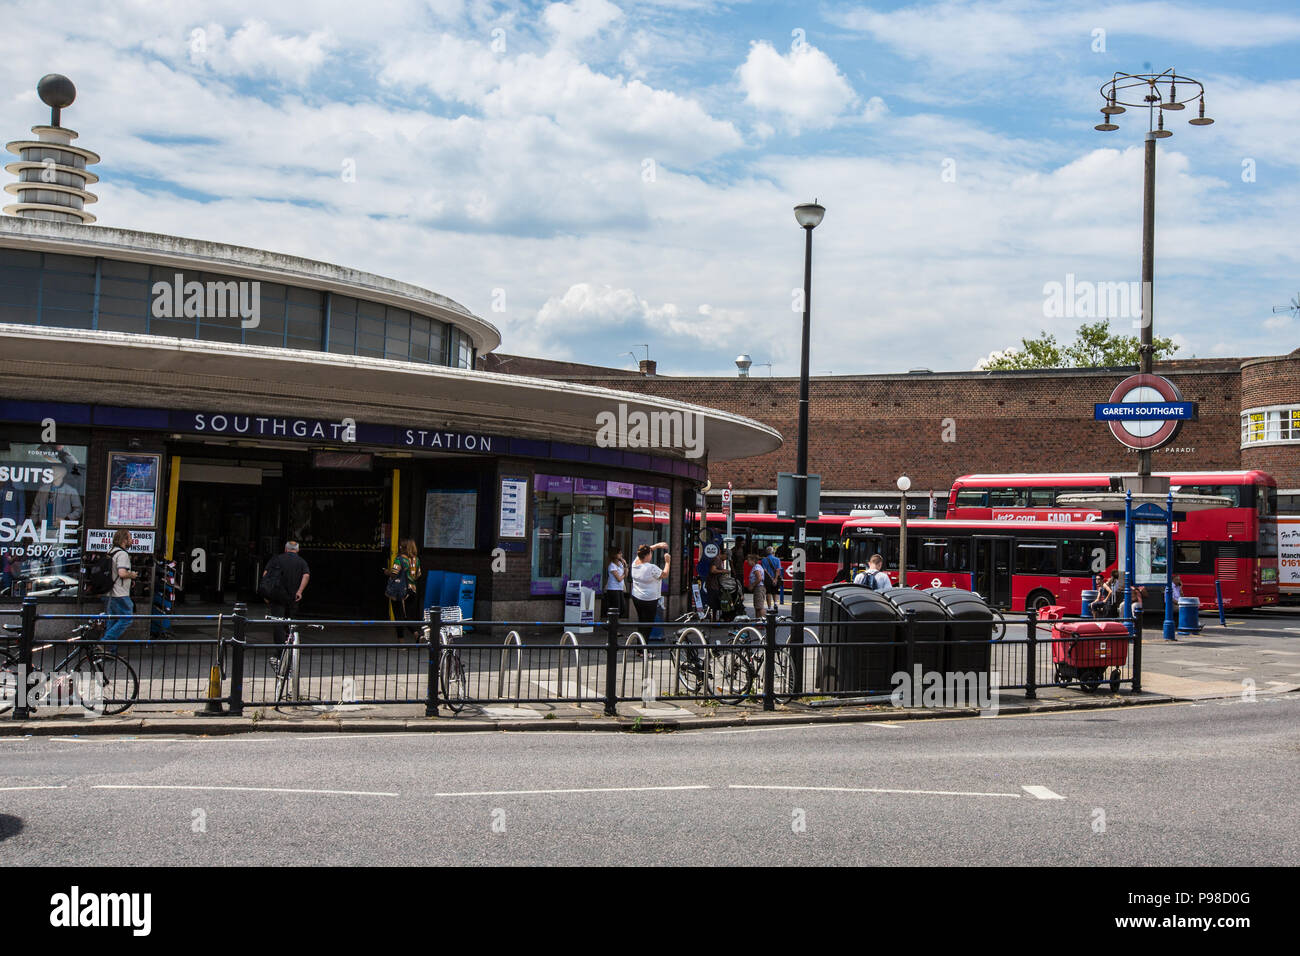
(403,586)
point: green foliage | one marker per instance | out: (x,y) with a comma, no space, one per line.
(1094,346)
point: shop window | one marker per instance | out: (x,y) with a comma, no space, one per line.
(42,490)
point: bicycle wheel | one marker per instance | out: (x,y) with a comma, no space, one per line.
(783,675)
(453,682)
(691,662)
(8,682)
(286,676)
(736,669)
(106,683)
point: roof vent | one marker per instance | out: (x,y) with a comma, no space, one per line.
(743,362)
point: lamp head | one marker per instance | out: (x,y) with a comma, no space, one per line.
(809,214)
(904,483)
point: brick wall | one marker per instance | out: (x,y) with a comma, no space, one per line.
(867,430)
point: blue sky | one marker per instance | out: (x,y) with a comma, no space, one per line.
(594,175)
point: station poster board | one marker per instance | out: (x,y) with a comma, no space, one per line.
(450,519)
(514,508)
(132,490)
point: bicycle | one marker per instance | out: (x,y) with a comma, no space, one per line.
(743,668)
(100,681)
(287,666)
(453,683)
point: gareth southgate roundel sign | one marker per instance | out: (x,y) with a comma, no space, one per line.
(1145,411)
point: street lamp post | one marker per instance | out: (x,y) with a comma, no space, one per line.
(903,484)
(1159,95)
(809,216)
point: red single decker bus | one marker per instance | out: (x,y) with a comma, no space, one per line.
(754,533)
(1236,545)
(1013,565)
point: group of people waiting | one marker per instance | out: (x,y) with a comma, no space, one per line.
(1110,599)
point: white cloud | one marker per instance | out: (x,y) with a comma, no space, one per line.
(580,20)
(875,109)
(254,50)
(804,86)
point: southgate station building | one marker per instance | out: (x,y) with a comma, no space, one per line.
(217,401)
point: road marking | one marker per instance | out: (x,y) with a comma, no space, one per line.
(142,786)
(1042,793)
(757,730)
(936,793)
(526,793)
(62,786)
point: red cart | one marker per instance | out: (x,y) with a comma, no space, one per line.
(1084,651)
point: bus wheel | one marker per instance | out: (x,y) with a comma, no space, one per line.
(1039,599)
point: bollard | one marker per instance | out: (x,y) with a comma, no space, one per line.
(1218,594)
(237,644)
(213,706)
(26,638)
(611,663)
(1137,663)
(1031,655)
(433,624)
(769,662)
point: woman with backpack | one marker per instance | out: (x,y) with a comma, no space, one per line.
(402,589)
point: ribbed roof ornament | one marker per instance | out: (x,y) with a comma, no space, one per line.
(52,173)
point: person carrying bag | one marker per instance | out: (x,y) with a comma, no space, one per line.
(402,589)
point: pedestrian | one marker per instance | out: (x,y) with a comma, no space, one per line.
(773,580)
(1135,608)
(1178,592)
(758,584)
(282,585)
(646,578)
(118,600)
(879,576)
(616,583)
(1107,597)
(402,590)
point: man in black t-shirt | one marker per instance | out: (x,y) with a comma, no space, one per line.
(294,574)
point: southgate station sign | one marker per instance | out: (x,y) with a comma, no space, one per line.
(1145,411)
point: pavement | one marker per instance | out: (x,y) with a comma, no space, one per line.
(1191,784)
(1255,655)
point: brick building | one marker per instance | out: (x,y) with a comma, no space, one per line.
(866,430)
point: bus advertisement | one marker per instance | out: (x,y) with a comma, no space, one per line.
(1288,557)
(1013,565)
(1236,546)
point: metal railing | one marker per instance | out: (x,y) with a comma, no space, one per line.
(763,662)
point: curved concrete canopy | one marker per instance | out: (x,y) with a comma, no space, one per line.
(116,368)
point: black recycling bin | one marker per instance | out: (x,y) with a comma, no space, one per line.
(853,620)
(971,629)
(931,628)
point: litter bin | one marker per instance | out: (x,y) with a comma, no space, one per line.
(854,618)
(1189,615)
(931,628)
(1088,598)
(970,631)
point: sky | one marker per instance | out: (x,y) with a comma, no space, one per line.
(597,178)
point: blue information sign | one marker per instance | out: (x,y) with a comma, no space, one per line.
(1144,411)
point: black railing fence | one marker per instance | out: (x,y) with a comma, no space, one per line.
(478,664)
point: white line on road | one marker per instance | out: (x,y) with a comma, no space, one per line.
(937,793)
(142,786)
(1042,793)
(62,786)
(757,730)
(524,793)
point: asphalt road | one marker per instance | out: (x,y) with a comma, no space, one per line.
(1213,782)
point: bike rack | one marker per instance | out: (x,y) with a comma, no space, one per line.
(513,641)
(622,678)
(569,639)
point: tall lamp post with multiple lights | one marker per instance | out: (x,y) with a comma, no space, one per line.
(904,483)
(1158,93)
(809,216)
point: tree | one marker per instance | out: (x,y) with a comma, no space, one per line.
(1094,346)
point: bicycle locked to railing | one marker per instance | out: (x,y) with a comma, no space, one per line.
(88,676)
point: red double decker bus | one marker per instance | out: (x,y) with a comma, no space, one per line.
(1236,545)
(754,533)
(1013,565)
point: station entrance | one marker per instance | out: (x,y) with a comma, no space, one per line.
(237,507)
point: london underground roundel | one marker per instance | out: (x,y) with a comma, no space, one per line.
(1145,433)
